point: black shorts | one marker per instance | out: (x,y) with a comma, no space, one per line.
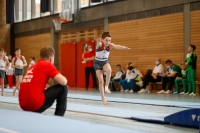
(2,74)
(19,72)
(98,65)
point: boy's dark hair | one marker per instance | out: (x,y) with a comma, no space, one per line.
(1,49)
(130,68)
(47,52)
(105,34)
(33,58)
(193,47)
(168,61)
(118,65)
(17,49)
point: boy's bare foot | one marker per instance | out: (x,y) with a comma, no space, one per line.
(107,91)
(2,94)
(104,101)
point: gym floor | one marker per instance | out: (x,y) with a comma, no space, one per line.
(121,122)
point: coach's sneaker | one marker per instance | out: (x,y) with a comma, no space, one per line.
(186,93)
(161,92)
(182,93)
(168,92)
(131,91)
(142,91)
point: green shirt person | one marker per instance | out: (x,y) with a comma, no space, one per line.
(191,62)
(182,78)
(172,71)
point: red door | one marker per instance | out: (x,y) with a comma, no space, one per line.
(81,65)
(68,62)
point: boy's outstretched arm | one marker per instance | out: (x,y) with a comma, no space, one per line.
(119,47)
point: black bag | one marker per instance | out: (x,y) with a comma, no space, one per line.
(114,86)
(136,88)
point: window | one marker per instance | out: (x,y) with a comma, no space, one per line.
(45,14)
(27,10)
(18,10)
(57,6)
(35,8)
(59,3)
(67,10)
(51,9)
(96,3)
(84,3)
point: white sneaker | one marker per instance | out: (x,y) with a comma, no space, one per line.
(192,94)
(122,90)
(13,87)
(175,92)
(142,91)
(186,93)
(161,92)
(168,92)
(182,93)
(126,90)
(131,91)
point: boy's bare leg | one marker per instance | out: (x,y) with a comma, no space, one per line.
(16,87)
(101,86)
(108,70)
(2,86)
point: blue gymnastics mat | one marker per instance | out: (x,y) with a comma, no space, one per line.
(106,111)
(138,101)
(187,117)
(13,121)
(135,101)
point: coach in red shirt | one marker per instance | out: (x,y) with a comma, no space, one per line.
(33,95)
(89,56)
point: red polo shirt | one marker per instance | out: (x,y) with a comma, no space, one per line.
(31,94)
(89,55)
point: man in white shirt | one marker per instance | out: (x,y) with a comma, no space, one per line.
(155,76)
